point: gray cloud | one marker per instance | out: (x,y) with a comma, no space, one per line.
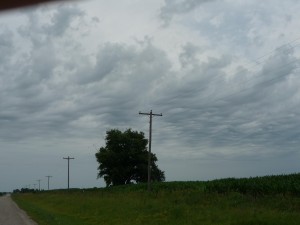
(172,8)
(61,90)
(40,31)
(122,78)
(62,19)
(207,112)
(29,91)
(189,54)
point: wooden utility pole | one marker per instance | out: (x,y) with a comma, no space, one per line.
(39,180)
(48,181)
(68,158)
(149,151)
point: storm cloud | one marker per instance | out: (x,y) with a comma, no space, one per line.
(227,89)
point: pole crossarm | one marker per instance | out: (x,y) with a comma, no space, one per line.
(68,158)
(149,114)
(150,139)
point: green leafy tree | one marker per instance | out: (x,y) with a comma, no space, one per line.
(124,159)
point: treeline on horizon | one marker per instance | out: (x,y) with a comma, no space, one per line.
(255,186)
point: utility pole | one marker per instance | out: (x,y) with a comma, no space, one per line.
(39,180)
(150,138)
(68,158)
(48,181)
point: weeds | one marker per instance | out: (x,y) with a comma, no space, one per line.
(268,200)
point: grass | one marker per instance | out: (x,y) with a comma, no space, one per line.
(168,203)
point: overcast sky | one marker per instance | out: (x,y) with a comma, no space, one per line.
(223,73)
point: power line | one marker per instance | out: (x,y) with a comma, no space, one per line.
(68,158)
(150,138)
(288,44)
(264,82)
(254,84)
(257,61)
(209,98)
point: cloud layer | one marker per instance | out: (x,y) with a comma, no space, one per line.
(223,74)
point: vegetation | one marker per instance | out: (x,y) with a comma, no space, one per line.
(25,190)
(257,186)
(124,159)
(205,203)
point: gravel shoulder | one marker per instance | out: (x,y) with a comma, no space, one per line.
(11,214)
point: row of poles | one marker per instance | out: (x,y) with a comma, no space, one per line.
(39,180)
(151,114)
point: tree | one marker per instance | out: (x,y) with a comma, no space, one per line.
(124,159)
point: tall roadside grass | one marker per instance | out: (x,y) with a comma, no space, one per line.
(168,203)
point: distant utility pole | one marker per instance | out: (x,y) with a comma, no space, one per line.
(39,180)
(150,138)
(68,158)
(48,181)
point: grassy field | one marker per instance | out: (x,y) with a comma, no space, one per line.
(240,202)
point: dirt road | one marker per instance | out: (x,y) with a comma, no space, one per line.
(11,214)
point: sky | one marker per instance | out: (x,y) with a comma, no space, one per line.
(223,73)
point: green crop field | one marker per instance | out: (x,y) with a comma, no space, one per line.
(267,200)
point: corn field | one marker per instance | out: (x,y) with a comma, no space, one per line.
(279,184)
